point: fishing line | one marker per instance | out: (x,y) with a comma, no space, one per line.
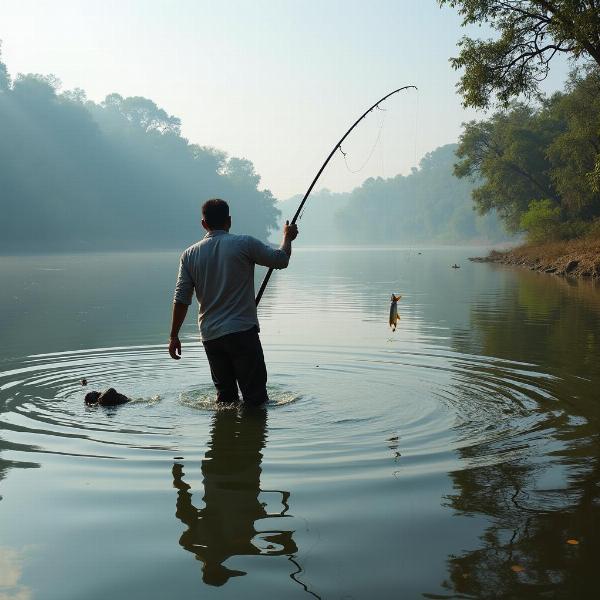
(302,213)
(382,153)
(416,126)
(379,134)
(379,141)
(336,147)
(372,151)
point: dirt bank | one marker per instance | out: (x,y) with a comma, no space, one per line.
(574,258)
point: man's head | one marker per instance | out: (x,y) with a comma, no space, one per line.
(215,215)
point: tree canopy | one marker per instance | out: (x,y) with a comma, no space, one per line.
(78,175)
(537,167)
(530,34)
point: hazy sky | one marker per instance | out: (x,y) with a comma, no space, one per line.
(275,81)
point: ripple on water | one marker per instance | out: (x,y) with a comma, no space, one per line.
(341,404)
(203,398)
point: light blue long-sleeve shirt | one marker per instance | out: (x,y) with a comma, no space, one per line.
(220,268)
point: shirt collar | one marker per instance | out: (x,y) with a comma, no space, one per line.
(215,233)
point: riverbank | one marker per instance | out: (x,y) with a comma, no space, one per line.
(573,258)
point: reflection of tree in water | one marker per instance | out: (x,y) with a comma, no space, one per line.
(546,491)
(528,529)
(6,465)
(226,526)
(544,320)
(7,446)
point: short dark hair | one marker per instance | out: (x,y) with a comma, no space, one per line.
(215,212)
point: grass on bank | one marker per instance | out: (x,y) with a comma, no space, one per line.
(576,257)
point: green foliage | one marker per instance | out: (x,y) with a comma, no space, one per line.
(575,152)
(75,174)
(541,221)
(593,176)
(530,34)
(506,155)
(550,153)
(593,229)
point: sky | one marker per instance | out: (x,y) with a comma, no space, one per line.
(274,81)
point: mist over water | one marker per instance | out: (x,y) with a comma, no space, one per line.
(77,175)
(425,462)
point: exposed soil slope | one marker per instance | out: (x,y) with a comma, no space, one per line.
(574,258)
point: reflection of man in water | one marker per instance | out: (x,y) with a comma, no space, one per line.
(220,268)
(225,527)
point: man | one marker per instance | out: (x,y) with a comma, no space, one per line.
(220,268)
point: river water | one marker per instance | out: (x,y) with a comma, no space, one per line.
(458,457)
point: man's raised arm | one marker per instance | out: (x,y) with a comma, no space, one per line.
(266,256)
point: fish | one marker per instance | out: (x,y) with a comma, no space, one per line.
(394,316)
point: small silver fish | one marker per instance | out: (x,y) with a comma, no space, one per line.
(394,316)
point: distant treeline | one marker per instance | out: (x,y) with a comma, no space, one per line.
(80,175)
(428,205)
(76,175)
(538,167)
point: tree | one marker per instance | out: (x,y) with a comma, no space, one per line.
(541,221)
(4,77)
(144,113)
(241,170)
(75,174)
(429,204)
(575,152)
(506,156)
(546,153)
(531,34)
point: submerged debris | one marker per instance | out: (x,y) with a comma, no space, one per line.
(109,397)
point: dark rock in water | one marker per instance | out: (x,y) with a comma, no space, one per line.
(110,397)
(92,397)
(571,266)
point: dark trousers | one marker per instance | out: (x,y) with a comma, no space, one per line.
(237,358)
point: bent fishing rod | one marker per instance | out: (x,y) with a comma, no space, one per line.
(337,147)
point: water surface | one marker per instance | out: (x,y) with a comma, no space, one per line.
(455,458)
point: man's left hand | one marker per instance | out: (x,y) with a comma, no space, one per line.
(175,348)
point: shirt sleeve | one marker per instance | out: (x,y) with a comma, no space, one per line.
(264,255)
(184,288)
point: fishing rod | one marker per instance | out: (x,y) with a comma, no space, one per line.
(337,147)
